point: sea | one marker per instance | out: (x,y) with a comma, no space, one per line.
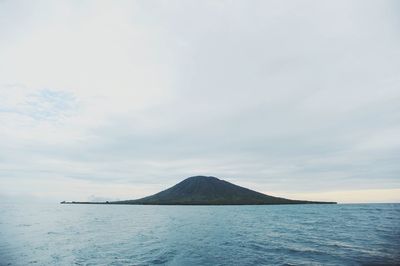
(60,234)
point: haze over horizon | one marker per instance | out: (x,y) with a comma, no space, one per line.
(119,100)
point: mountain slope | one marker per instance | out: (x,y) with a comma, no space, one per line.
(207,190)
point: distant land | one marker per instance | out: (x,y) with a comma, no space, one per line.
(206,190)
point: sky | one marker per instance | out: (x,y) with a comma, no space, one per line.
(121,99)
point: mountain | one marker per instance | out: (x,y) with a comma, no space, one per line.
(208,190)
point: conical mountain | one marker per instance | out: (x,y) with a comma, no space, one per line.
(208,190)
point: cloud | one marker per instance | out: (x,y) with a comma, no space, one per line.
(41,104)
(296,96)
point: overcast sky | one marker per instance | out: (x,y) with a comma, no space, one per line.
(120,99)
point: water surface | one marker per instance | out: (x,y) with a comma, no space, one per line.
(55,234)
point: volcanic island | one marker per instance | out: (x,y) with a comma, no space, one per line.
(206,190)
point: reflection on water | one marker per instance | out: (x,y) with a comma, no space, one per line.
(199,235)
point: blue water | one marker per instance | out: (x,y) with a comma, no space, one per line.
(55,234)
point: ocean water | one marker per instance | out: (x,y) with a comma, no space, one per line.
(55,234)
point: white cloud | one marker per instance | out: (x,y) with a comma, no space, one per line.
(295,96)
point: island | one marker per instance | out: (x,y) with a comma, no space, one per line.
(206,190)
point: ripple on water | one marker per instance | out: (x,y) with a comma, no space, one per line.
(201,235)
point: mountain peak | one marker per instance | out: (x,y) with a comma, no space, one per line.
(201,178)
(209,190)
